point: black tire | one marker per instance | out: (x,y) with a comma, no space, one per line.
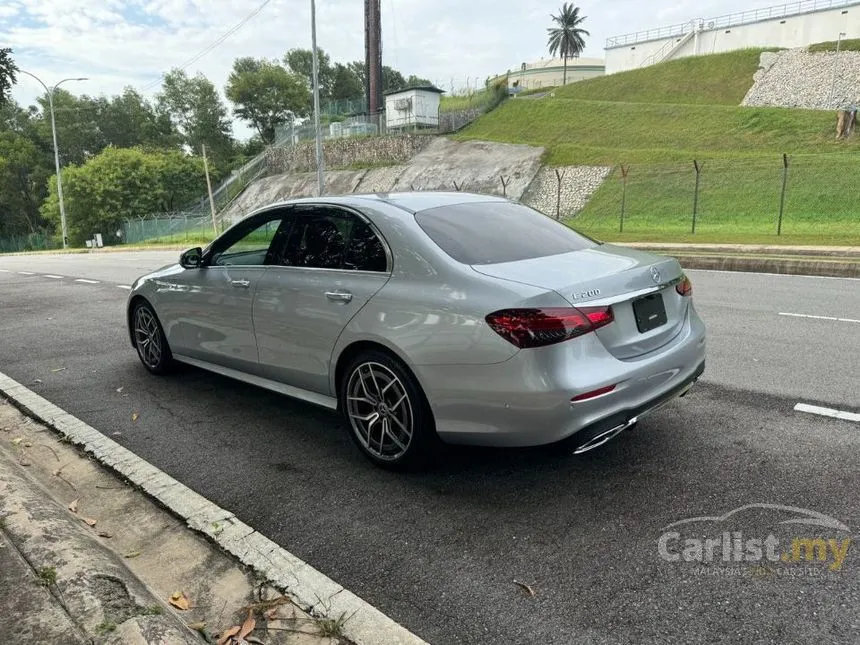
(148,337)
(376,368)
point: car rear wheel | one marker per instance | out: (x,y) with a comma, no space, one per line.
(150,341)
(387,413)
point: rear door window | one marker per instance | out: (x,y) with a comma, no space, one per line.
(332,238)
(495,232)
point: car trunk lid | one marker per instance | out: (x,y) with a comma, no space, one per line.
(639,286)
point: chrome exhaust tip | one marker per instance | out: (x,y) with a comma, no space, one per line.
(604,437)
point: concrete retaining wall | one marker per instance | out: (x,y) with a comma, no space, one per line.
(441,164)
(343,153)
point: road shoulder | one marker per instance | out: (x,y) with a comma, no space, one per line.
(219,567)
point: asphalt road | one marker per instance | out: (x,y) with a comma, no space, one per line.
(439,551)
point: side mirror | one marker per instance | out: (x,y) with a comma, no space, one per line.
(192,258)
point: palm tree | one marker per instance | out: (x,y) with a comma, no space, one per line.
(567,37)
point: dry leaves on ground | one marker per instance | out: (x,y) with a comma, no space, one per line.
(238,634)
(527,588)
(73,505)
(228,635)
(179,600)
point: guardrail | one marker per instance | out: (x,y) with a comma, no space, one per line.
(730,20)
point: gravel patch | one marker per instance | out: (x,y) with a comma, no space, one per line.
(799,79)
(577,185)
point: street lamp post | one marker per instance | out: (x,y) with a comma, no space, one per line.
(50,93)
(316,88)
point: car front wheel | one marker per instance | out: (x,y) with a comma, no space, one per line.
(388,415)
(150,341)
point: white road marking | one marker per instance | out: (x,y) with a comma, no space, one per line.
(779,275)
(123,286)
(828,412)
(26,273)
(55,277)
(5,271)
(85,281)
(848,320)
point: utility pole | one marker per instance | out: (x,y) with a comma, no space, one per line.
(835,67)
(317,131)
(50,92)
(209,188)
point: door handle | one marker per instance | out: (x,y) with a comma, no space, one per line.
(338,296)
(241,283)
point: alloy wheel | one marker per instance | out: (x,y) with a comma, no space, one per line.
(147,336)
(379,411)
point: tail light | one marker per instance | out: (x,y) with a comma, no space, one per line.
(684,287)
(547,326)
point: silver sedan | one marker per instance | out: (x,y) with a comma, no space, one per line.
(429,318)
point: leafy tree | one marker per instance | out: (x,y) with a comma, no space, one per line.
(392,79)
(266,95)
(198,113)
(123,183)
(8,71)
(360,71)
(129,120)
(346,84)
(23,178)
(300,61)
(417,80)
(78,134)
(566,37)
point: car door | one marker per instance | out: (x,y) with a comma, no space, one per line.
(217,321)
(333,262)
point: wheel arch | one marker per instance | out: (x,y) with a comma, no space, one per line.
(357,347)
(133,302)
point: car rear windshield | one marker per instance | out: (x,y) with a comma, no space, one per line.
(494,232)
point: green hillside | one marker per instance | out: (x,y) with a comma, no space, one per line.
(742,148)
(720,79)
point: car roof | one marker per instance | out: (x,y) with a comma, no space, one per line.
(412,202)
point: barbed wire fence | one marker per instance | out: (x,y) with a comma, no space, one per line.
(754,196)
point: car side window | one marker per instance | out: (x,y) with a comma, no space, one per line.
(317,240)
(252,247)
(365,251)
(330,238)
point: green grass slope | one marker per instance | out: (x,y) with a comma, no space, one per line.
(719,79)
(606,133)
(851,44)
(741,150)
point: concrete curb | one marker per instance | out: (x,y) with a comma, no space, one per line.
(308,588)
(92,585)
(846,252)
(786,266)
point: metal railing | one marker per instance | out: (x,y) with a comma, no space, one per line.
(730,20)
(670,45)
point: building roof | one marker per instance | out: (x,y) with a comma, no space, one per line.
(424,88)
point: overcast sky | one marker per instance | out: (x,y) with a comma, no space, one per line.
(132,42)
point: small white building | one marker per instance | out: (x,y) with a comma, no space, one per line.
(412,108)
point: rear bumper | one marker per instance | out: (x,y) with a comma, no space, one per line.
(599,433)
(526,401)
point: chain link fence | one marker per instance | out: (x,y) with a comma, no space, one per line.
(168,228)
(798,195)
(38,241)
